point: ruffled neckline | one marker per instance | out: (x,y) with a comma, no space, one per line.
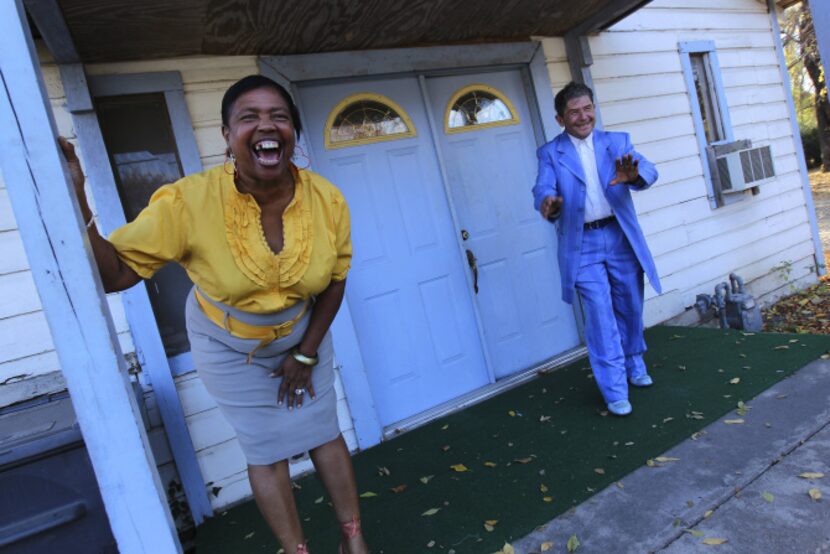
(246,238)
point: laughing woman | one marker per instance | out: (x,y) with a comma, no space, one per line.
(268,247)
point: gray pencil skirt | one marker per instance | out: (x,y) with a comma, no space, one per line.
(247,395)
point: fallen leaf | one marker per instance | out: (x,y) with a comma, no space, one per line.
(319,500)
(383,471)
(543,488)
(249,535)
(431,512)
(524,460)
(545,546)
(650,463)
(782,347)
(398,489)
(696,435)
(430,544)
(714,541)
(445,427)
(811,475)
(511,413)
(368,494)
(815,494)
(547,499)
(662,459)
(507,549)
(460,468)
(629,443)
(666,420)
(733,421)
(767,496)
(599,471)
(690,504)
(573,543)
(491,464)
(544,418)
(735,381)
(620,485)
(694,532)
(491,522)
(489,528)
(707,513)
(426,479)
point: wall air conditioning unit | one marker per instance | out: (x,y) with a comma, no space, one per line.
(745,169)
(737,167)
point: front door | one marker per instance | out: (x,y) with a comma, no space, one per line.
(407,291)
(488,145)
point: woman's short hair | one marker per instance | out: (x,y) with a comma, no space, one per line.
(572,90)
(253,82)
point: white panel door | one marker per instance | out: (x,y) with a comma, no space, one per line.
(491,170)
(407,289)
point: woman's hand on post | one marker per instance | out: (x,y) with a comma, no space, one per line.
(296,382)
(74,164)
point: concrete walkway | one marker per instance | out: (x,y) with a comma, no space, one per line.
(739,482)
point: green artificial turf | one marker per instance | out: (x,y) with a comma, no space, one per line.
(531,453)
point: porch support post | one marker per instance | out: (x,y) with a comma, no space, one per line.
(59,252)
(580,60)
(821,267)
(821,27)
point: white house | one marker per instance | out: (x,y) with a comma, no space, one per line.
(453,295)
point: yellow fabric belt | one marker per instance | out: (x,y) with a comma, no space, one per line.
(265,333)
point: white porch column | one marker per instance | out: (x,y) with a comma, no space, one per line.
(73,299)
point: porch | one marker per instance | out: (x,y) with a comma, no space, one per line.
(497,471)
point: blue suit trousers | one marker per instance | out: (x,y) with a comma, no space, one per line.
(610,285)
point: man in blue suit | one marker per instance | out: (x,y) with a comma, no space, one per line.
(584,183)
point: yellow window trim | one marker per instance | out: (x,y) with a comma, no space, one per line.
(514,117)
(359,97)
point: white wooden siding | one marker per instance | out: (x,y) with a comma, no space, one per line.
(641,89)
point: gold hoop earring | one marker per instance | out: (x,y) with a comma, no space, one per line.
(229,157)
(299,149)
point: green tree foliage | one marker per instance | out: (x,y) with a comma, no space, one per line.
(809,86)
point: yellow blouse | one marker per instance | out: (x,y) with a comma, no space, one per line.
(214,231)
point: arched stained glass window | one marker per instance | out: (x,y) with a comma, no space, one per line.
(366,118)
(478,106)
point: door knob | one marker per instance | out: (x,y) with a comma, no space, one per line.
(471,260)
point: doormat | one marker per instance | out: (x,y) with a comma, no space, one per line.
(490,474)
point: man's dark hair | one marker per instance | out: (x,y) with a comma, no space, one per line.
(253,82)
(572,90)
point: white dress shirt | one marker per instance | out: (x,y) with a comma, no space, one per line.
(596,205)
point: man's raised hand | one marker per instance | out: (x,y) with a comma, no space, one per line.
(627,170)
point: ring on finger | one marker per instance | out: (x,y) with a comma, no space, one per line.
(299,391)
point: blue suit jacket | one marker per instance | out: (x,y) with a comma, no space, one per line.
(561,174)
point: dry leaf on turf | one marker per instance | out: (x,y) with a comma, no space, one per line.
(735,381)
(507,549)
(398,489)
(665,459)
(491,464)
(524,460)
(431,512)
(573,543)
(426,479)
(545,546)
(547,499)
(714,541)
(599,471)
(811,475)
(460,468)
(694,532)
(543,488)
(733,421)
(319,500)
(445,427)
(767,496)
(368,494)
(815,494)
(707,513)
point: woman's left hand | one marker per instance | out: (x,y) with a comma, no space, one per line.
(296,382)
